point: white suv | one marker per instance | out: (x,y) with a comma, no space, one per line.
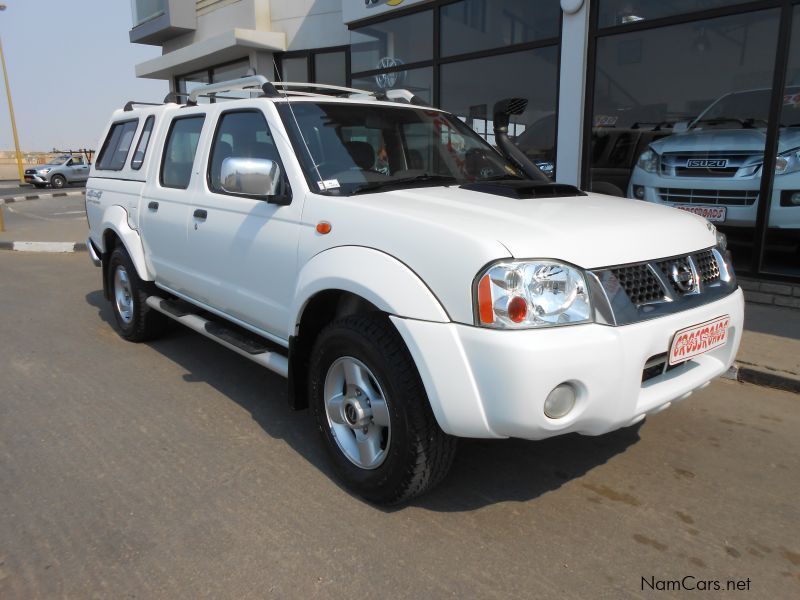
(412,283)
(712,166)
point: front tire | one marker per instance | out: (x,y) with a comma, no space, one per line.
(372,412)
(58,181)
(136,321)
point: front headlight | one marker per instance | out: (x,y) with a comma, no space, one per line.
(648,161)
(788,162)
(531,293)
(43,171)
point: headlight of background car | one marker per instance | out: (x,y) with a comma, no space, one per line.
(648,161)
(43,171)
(788,162)
(532,293)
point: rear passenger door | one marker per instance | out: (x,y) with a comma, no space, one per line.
(166,204)
(243,250)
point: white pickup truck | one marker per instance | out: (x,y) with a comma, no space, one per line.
(413,284)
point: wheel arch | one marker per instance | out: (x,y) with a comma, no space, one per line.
(116,232)
(345,281)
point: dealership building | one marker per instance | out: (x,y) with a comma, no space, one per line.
(691,103)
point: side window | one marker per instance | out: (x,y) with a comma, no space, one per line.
(240,134)
(77,161)
(141,147)
(179,151)
(118,142)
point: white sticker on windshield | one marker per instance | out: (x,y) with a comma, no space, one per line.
(329,184)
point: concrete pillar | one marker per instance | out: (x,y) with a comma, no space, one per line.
(572,90)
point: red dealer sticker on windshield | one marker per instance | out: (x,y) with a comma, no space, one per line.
(698,339)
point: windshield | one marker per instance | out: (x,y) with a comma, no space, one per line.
(750,109)
(59,160)
(356,148)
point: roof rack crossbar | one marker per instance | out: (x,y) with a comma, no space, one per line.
(254,81)
(131,103)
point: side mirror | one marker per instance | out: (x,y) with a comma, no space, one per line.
(680,127)
(252,177)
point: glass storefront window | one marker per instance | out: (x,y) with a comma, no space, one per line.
(330,68)
(144,10)
(235,70)
(532,74)
(473,25)
(782,246)
(680,118)
(295,69)
(625,12)
(418,81)
(392,43)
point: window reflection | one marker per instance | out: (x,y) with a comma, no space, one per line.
(625,12)
(392,43)
(473,25)
(697,146)
(782,251)
(534,130)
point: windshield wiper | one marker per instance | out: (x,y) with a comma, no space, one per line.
(404,182)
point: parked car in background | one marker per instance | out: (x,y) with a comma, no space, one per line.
(712,166)
(64,169)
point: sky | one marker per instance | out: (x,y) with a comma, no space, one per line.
(70,64)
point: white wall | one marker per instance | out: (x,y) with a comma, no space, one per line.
(310,23)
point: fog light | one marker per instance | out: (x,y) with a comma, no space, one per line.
(638,191)
(560,401)
(795,199)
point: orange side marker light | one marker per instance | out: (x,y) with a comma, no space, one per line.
(324,228)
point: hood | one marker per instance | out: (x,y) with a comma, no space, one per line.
(588,231)
(720,140)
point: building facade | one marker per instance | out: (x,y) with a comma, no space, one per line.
(691,103)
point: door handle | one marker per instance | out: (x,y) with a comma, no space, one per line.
(153,206)
(201,214)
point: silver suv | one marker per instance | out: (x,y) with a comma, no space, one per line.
(67,168)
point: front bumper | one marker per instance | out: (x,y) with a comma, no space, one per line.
(488,383)
(35,178)
(743,216)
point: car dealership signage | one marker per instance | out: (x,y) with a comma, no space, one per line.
(354,10)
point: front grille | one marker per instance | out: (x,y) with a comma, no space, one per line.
(640,284)
(657,366)
(666,269)
(723,197)
(707,266)
(30,172)
(718,172)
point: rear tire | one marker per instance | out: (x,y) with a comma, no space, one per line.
(373,414)
(58,181)
(136,321)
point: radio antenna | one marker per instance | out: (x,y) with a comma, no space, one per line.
(320,180)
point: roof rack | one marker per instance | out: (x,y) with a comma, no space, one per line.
(260,84)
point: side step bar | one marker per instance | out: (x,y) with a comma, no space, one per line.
(248,346)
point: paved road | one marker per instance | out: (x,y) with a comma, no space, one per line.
(175,469)
(13,189)
(49,219)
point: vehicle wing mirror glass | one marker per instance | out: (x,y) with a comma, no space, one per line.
(259,177)
(680,127)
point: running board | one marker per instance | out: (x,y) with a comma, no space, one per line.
(249,346)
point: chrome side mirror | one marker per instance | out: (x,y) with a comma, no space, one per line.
(254,177)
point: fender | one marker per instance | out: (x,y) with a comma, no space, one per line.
(115,218)
(375,276)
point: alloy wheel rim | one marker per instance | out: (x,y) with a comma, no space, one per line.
(122,295)
(357,413)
